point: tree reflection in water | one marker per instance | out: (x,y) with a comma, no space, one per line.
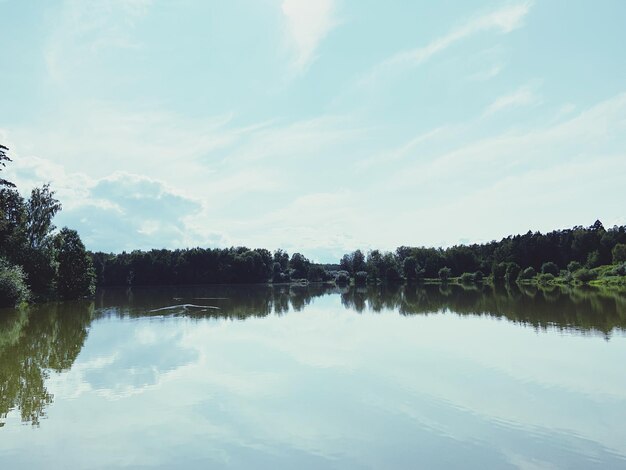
(48,338)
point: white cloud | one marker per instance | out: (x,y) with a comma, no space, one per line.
(521,97)
(308,22)
(503,20)
(487,74)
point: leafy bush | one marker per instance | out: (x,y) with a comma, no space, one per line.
(593,260)
(467,278)
(499,271)
(392,274)
(585,275)
(342,279)
(13,287)
(512,272)
(445,273)
(619,253)
(574,266)
(360,278)
(550,268)
(527,273)
(545,278)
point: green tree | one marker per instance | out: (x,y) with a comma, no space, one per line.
(41,209)
(512,272)
(12,223)
(300,265)
(409,267)
(573,266)
(619,253)
(76,276)
(499,271)
(445,273)
(527,273)
(550,268)
(13,288)
(3,159)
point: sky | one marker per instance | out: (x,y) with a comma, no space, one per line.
(316,126)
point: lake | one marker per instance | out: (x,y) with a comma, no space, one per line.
(316,377)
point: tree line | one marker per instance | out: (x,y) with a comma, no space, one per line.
(575,250)
(512,258)
(36,261)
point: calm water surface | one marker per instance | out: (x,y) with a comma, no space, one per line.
(306,377)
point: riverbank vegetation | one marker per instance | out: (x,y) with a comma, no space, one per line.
(579,255)
(36,261)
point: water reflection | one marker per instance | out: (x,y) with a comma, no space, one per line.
(48,338)
(34,342)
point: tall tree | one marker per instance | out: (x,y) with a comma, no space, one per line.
(76,276)
(41,209)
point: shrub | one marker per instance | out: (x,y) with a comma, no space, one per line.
(544,278)
(550,268)
(593,260)
(467,278)
(316,274)
(13,287)
(512,272)
(585,275)
(478,276)
(360,278)
(342,279)
(392,275)
(527,273)
(619,253)
(445,273)
(573,266)
(498,271)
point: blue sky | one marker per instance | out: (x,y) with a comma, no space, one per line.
(316,126)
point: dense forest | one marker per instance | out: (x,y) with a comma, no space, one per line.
(38,262)
(577,251)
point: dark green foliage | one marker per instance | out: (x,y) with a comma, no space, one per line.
(76,276)
(585,275)
(550,268)
(619,253)
(527,273)
(299,265)
(342,278)
(409,268)
(573,266)
(360,278)
(317,273)
(499,271)
(471,278)
(13,287)
(13,219)
(444,273)
(593,260)
(353,262)
(3,159)
(545,278)
(512,272)
(392,274)
(282,258)
(41,209)
(620,270)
